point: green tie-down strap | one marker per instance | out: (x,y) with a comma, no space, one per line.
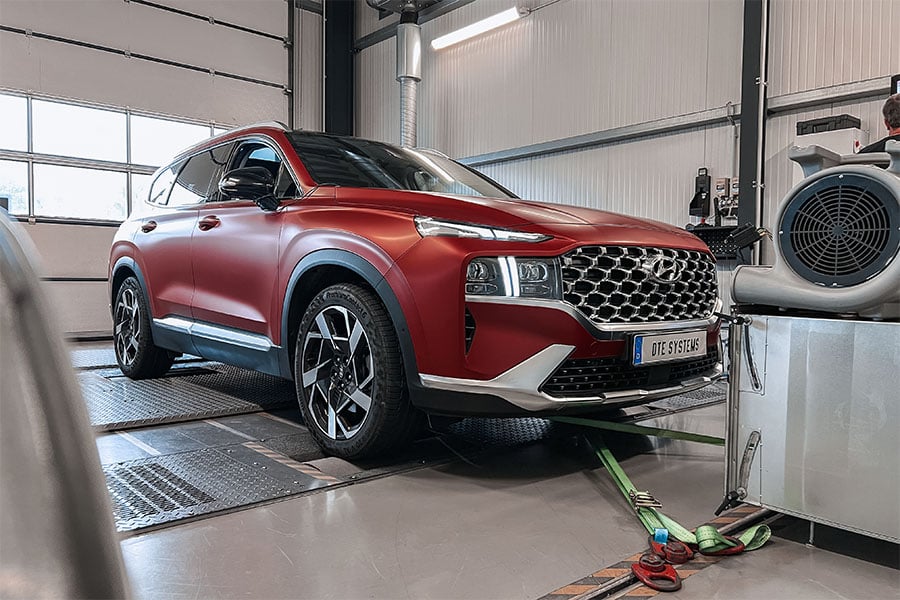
(706,537)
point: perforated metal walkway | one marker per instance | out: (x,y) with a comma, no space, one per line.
(160,489)
(193,389)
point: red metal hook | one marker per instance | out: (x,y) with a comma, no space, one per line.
(653,572)
(673,551)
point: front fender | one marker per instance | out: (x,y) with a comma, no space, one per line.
(395,294)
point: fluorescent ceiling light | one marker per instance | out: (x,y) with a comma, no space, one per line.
(470,31)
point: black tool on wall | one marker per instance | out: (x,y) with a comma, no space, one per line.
(700,202)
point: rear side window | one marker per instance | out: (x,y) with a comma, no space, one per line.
(159,191)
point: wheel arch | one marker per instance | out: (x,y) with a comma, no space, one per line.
(322,268)
(124,268)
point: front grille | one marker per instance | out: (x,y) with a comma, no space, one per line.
(614,284)
(585,377)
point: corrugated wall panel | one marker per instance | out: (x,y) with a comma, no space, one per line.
(821,43)
(625,177)
(377,111)
(309,72)
(573,67)
(478,90)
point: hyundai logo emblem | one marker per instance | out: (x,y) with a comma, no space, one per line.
(663,269)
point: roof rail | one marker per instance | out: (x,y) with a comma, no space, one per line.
(273,124)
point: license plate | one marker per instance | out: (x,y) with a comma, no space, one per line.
(650,349)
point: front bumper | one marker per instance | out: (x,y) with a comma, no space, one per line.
(521,386)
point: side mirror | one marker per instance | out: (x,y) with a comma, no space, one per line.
(250,183)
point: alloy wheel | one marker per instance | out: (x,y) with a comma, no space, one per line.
(338,372)
(127,330)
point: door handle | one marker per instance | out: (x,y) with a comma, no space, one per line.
(207,223)
(148,226)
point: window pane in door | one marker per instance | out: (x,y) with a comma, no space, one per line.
(193,182)
(14,185)
(78,131)
(156,141)
(79,193)
(13,123)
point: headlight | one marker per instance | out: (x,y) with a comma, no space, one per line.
(511,276)
(429,227)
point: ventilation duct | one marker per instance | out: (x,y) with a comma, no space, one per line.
(409,72)
(409,60)
(837,238)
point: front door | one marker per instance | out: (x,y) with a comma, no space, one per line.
(235,253)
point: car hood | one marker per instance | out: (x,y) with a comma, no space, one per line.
(553,219)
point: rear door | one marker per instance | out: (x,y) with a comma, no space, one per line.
(235,250)
(164,242)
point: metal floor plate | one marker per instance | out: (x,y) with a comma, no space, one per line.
(97,358)
(157,490)
(161,489)
(711,394)
(116,403)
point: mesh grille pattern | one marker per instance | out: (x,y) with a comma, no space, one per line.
(584,377)
(613,284)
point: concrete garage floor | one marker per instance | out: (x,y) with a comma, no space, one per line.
(513,524)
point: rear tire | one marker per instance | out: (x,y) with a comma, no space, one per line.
(138,357)
(348,371)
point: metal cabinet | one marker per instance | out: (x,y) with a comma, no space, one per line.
(824,396)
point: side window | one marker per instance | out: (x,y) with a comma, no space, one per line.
(159,191)
(193,183)
(257,154)
(219,156)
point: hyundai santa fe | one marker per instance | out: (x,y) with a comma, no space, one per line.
(390,282)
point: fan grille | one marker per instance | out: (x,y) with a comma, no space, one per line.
(841,230)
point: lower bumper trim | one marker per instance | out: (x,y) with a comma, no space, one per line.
(521,385)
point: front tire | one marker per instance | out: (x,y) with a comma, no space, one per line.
(349,375)
(136,354)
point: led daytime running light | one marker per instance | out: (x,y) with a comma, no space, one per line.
(429,227)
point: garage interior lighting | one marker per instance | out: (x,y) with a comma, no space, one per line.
(477,28)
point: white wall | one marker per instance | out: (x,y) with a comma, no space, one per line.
(44,67)
(816,44)
(574,67)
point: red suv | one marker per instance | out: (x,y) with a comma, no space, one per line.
(389,282)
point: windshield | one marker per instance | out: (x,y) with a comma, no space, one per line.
(354,162)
